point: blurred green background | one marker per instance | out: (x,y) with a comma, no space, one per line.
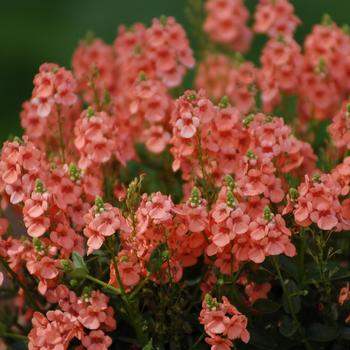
(37,31)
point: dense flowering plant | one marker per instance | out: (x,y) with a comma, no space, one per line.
(140,212)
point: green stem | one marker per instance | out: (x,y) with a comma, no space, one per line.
(285,290)
(61,134)
(325,281)
(96,95)
(290,304)
(301,257)
(138,288)
(238,273)
(132,312)
(197,342)
(119,279)
(116,291)
(14,336)
(208,186)
(231,261)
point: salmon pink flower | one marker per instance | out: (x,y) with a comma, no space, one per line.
(223,323)
(275,18)
(218,343)
(226,23)
(97,340)
(102,221)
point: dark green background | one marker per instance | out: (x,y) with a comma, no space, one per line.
(35,31)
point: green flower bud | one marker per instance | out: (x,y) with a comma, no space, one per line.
(89,37)
(18,140)
(74,172)
(346,29)
(99,205)
(316,178)
(326,20)
(39,186)
(163,20)
(38,245)
(230,199)
(195,197)
(348,109)
(250,155)
(90,112)
(191,97)
(86,294)
(280,38)
(268,215)
(321,67)
(248,119)
(142,76)
(230,182)
(224,102)
(124,258)
(66,265)
(293,194)
(269,118)
(73,283)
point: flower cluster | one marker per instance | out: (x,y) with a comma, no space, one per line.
(246,231)
(275,17)
(102,221)
(226,24)
(218,76)
(135,201)
(223,323)
(320,199)
(282,64)
(75,316)
(53,85)
(254,147)
(323,84)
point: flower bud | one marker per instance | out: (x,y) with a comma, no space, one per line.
(195,197)
(268,215)
(230,200)
(224,102)
(326,20)
(99,205)
(248,119)
(316,178)
(293,194)
(250,155)
(90,112)
(38,245)
(74,172)
(230,182)
(39,186)
(86,294)
(66,265)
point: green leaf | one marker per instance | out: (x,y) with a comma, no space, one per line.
(261,339)
(79,266)
(288,327)
(159,256)
(334,271)
(294,296)
(2,329)
(322,333)
(193,281)
(289,265)
(148,346)
(312,273)
(266,306)
(345,333)
(342,273)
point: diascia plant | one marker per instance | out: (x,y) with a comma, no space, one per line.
(139,212)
